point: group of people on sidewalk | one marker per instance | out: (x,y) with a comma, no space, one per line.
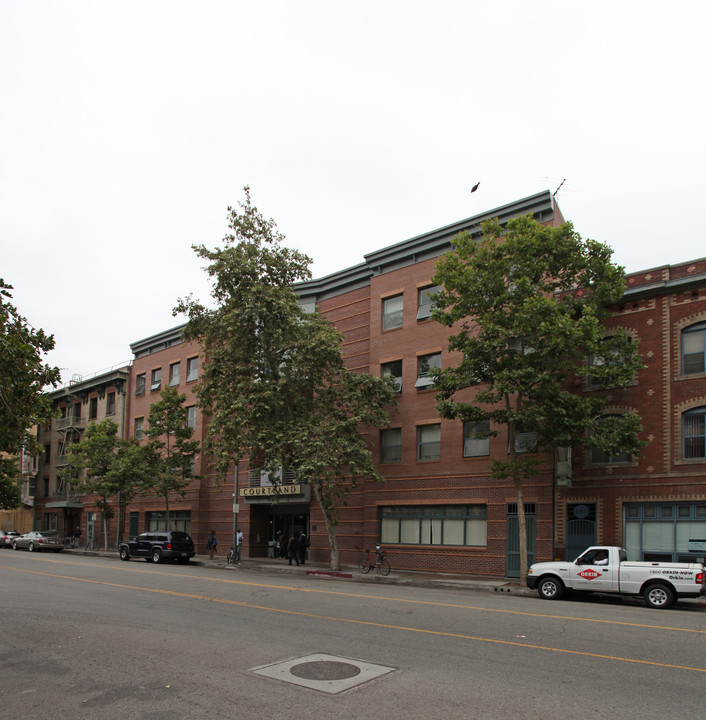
(297,546)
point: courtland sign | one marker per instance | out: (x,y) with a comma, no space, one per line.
(270,490)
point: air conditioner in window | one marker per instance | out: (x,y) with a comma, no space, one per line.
(563,469)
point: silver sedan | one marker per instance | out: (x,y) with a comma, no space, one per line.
(35,541)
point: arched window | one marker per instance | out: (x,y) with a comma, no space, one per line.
(693,349)
(694,433)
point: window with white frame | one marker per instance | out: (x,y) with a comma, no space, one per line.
(429,442)
(476,441)
(464,525)
(391,445)
(693,348)
(192,369)
(393,370)
(174,374)
(140,384)
(191,417)
(392,312)
(694,434)
(139,428)
(156,380)
(424,301)
(424,364)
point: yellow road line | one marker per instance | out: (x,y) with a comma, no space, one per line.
(431,603)
(438,633)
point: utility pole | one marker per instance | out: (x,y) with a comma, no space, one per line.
(236,509)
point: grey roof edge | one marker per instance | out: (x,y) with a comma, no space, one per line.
(101,378)
(664,286)
(351,278)
(541,204)
(163,336)
(421,247)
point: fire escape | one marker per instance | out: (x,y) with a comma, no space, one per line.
(69,429)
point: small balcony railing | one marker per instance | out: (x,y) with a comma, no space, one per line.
(257,477)
(69,422)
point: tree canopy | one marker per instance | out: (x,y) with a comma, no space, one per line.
(526,312)
(23,403)
(274,382)
(107,466)
(171,451)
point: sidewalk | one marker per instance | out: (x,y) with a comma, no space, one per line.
(349,573)
(322,571)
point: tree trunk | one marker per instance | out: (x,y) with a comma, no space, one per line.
(335,562)
(521,520)
(105,534)
(521,528)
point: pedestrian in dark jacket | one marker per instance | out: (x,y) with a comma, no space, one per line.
(292,549)
(302,545)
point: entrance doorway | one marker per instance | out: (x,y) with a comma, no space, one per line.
(513,537)
(580,528)
(285,522)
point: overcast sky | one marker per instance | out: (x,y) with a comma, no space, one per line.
(127,128)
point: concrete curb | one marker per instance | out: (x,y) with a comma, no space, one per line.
(321,572)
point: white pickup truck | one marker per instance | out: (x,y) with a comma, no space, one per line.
(607,569)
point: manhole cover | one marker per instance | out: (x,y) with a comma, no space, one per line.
(327,673)
(325,670)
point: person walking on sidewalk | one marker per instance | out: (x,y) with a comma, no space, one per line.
(238,544)
(212,545)
(302,545)
(292,549)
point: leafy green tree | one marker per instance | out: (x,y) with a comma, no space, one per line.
(107,466)
(23,404)
(10,493)
(170,450)
(526,314)
(274,381)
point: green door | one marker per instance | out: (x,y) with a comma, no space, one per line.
(513,537)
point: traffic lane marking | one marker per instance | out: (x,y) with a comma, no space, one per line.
(383,598)
(370,623)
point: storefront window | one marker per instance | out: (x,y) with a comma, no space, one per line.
(434,525)
(664,532)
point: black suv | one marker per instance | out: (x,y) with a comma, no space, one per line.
(159,545)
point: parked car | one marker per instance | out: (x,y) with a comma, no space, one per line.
(35,541)
(6,537)
(159,545)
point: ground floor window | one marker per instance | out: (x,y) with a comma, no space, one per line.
(51,521)
(665,531)
(179,520)
(434,525)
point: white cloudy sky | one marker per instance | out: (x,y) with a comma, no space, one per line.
(127,128)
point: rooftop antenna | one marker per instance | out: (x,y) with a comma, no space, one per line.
(559,188)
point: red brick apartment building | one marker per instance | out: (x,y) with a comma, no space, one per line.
(439,508)
(57,505)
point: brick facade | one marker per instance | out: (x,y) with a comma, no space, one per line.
(637,502)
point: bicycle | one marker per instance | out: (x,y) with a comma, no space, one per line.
(233,556)
(379,562)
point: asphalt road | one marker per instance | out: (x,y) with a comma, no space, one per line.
(97,638)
